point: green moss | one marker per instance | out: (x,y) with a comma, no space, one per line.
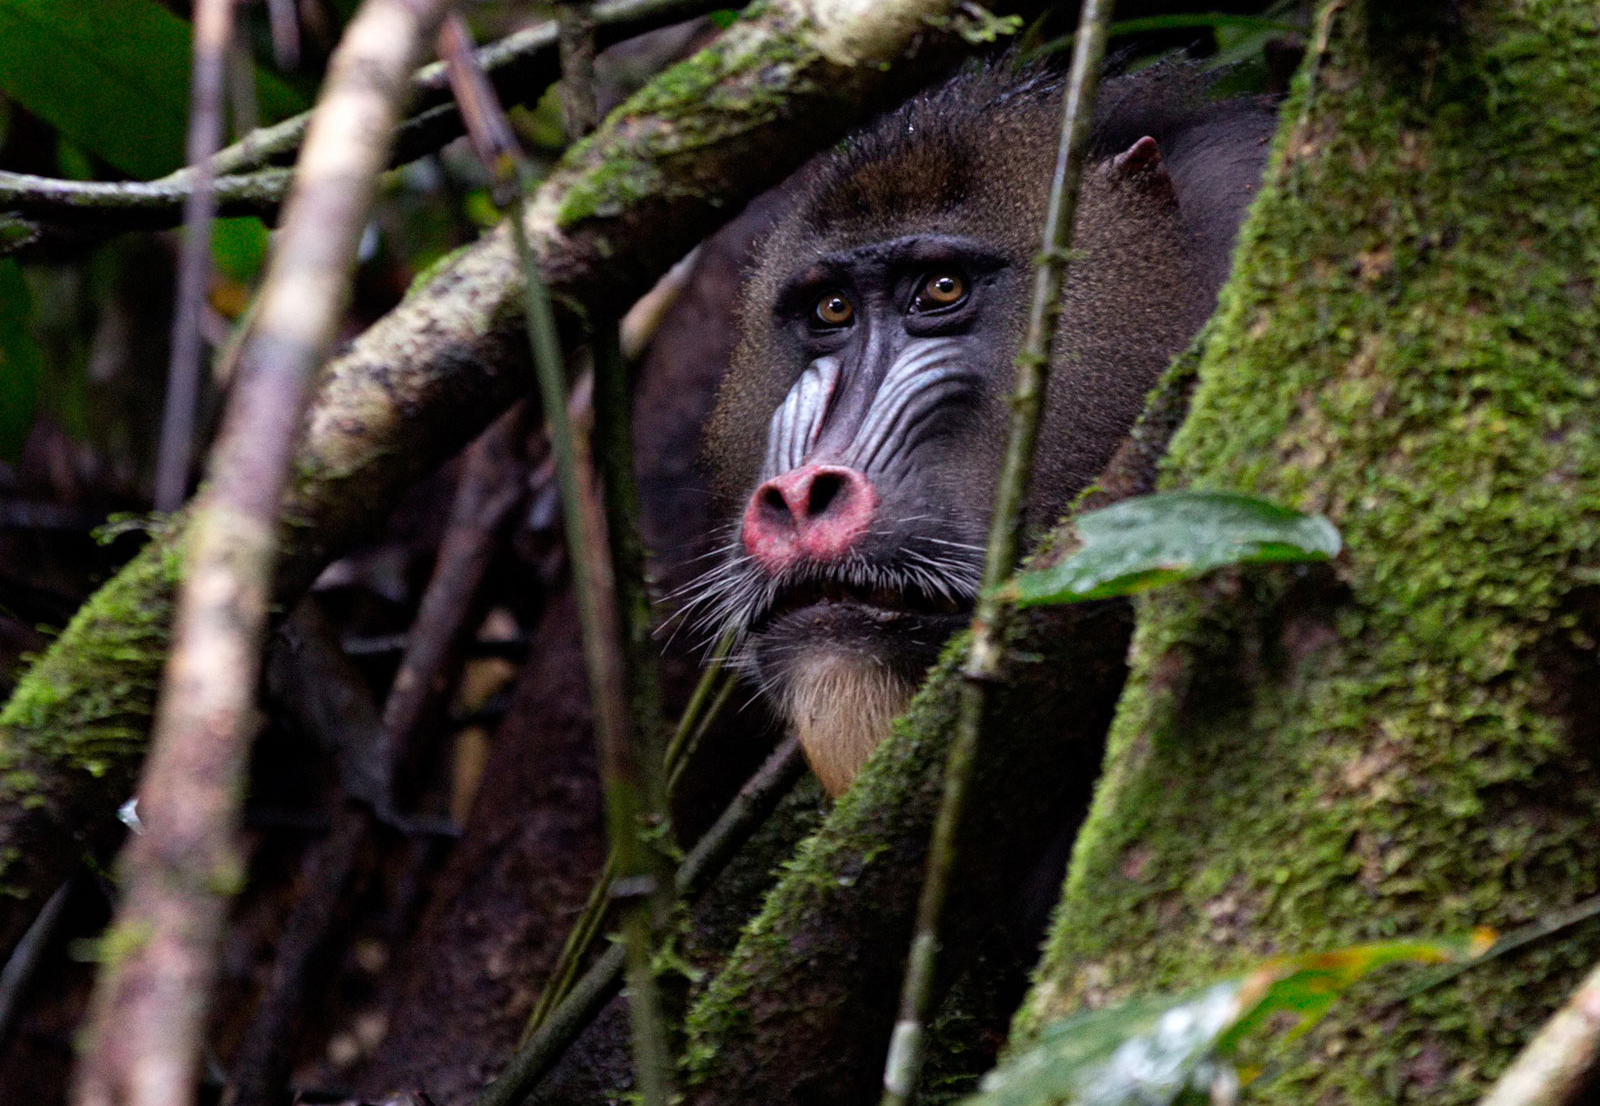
(739,82)
(84,708)
(94,688)
(1407,346)
(118,942)
(823,868)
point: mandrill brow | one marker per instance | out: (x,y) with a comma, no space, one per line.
(861,423)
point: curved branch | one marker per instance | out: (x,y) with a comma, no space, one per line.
(157,203)
(248,181)
(148,1012)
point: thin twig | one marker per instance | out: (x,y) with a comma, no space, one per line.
(521,65)
(678,765)
(25,958)
(678,744)
(156,203)
(575,34)
(213,38)
(1559,1063)
(621,779)
(641,681)
(697,718)
(984,661)
(149,1008)
(492,483)
(749,809)
(630,775)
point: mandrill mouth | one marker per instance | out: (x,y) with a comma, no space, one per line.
(887,598)
(911,598)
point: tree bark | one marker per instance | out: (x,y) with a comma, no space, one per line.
(1403,743)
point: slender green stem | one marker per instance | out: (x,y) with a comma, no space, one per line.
(689,724)
(702,710)
(580,938)
(608,563)
(676,766)
(613,411)
(983,667)
(749,809)
(594,583)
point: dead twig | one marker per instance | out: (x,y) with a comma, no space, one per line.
(150,1001)
(213,43)
(493,482)
(984,662)
(1559,1063)
(750,807)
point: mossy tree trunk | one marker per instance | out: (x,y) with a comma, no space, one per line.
(1404,743)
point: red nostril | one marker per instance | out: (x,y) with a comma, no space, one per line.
(815,512)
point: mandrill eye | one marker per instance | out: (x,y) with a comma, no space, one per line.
(834,310)
(941,290)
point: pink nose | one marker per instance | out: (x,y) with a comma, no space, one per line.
(814,512)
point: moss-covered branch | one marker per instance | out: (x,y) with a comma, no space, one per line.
(658,175)
(1403,743)
(808,998)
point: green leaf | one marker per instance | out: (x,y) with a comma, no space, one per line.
(113,75)
(1307,985)
(1150,1052)
(1141,1052)
(1152,540)
(21,363)
(723,18)
(239,247)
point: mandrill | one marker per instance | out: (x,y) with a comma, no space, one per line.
(862,420)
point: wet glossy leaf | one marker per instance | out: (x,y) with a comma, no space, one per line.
(1139,1053)
(1152,1052)
(1152,540)
(21,363)
(111,74)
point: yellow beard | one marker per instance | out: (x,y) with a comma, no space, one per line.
(840,706)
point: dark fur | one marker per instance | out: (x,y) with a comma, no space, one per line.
(973,159)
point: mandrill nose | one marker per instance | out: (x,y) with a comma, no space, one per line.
(814,512)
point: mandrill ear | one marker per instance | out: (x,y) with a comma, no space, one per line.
(1141,166)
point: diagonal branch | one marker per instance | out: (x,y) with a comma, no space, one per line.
(150,1002)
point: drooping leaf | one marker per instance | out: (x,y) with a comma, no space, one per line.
(1307,985)
(21,363)
(1139,1053)
(1151,540)
(113,75)
(1149,1052)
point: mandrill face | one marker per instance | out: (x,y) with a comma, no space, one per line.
(863,418)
